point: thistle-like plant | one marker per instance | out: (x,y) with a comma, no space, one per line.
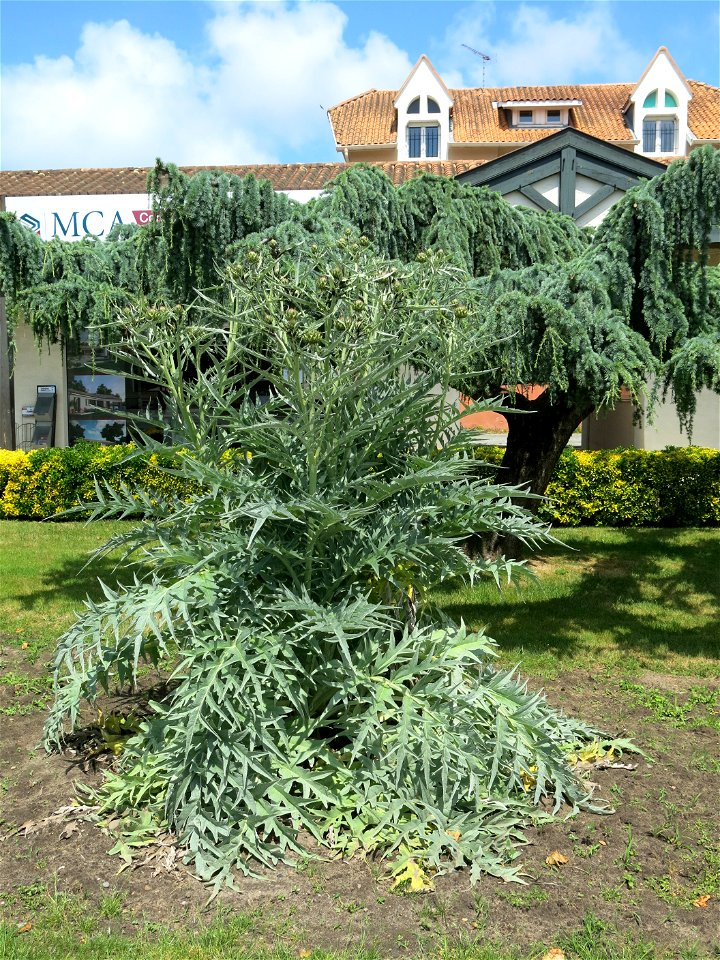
(313,690)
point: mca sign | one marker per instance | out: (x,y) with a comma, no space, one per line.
(74,218)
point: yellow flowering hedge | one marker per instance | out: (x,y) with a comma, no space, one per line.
(676,487)
(44,483)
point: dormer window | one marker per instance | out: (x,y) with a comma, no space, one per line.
(660,135)
(660,129)
(524,113)
(423,106)
(423,141)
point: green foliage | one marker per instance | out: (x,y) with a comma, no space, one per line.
(314,687)
(60,288)
(44,483)
(477,228)
(200,217)
(677,487)
(586,314)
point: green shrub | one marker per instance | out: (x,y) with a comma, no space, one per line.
(45,483)
(316,690)
(676,487)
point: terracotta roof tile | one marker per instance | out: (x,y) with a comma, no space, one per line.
(704,111)
(370,118)
(370,115)
(289,176)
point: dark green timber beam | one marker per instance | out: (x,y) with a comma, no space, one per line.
(532,194)
(568,159)
(593,200)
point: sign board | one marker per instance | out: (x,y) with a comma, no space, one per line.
(77,217)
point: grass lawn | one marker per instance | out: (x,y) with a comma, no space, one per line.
(619,600)
(608,600)
(42,583)
(622,627)
(229,938)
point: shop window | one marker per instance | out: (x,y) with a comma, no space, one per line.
(99,402)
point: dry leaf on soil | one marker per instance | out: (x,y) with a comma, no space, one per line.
(556,859)
(72,812)
(554,954)
(702,901)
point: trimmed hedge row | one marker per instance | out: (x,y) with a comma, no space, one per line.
(44,483)
(677,487)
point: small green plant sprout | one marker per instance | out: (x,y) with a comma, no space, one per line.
(628,860)
(115,728)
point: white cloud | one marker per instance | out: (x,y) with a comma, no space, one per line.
(285,64)
(126,97)
(540,48)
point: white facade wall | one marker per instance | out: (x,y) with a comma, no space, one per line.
(35,366)
(423,83)
(662,76)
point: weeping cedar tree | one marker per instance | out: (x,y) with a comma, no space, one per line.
(582,313)
(315,693)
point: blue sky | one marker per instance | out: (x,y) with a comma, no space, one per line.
(118,83)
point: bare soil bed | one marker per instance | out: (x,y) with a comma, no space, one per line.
(651,868)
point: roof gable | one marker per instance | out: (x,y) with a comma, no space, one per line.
(661,52)
(423,61)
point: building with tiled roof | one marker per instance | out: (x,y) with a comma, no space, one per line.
(299,180)
(573,149)
(661,116)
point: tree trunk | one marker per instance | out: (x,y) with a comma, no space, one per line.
(537,435)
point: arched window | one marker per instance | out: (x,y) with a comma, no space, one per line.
(670,99)
(433,106)
(414,106)
(651,99)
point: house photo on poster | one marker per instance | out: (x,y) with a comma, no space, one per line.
(107,432)
(94,395)
(96,404)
